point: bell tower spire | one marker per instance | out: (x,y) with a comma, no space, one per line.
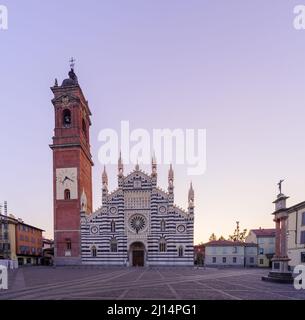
(72,167)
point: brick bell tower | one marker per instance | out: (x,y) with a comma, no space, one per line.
(72,167)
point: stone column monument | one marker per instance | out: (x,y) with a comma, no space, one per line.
(280,271)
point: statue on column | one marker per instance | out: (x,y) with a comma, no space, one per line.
(280,185)
(280,262)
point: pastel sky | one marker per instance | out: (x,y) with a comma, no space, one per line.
(235,68)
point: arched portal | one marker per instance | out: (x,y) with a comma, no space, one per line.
(137,254)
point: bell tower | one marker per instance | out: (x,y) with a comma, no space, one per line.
(72,167)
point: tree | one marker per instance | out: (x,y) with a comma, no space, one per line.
(238,235)
(213,237)
(221,238)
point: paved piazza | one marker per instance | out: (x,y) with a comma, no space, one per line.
(144,283)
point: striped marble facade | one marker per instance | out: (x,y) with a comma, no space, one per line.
(138,224)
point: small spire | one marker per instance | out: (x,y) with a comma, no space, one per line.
(137,166)
(83,201)
(171,173)
(120,165)
(191,187)
(154,159)
(105,177)
(171,179)
(154,165)
(191,196)
(56,83)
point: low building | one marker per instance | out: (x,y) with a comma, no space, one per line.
(225,253)
(296,234)
(265,239)
(47,243)
(250,254)
(47,252)
(28,243)
(8,237)
(23,242)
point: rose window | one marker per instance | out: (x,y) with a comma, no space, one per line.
(138,223)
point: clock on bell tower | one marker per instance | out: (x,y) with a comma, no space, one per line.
(72,167)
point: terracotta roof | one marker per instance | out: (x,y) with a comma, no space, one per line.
(250,244)
(224,243)
(229,243)
(300,205)
(264,232)
(19,221)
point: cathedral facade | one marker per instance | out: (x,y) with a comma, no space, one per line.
(138,224)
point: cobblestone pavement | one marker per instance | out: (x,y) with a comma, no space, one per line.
(45,283)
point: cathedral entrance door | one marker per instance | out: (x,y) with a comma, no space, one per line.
(138,258)
(138,254)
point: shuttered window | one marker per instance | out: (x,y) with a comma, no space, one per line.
(303,237)
(303,219)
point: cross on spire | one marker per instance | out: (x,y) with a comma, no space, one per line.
(72,63)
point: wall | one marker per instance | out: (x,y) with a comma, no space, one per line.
(12,240)
(224,251)
(251,256)
(294,237)
(264,243)
(30,239)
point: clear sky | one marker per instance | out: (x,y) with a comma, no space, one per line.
(235,68)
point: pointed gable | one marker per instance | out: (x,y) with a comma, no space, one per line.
(137,180)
